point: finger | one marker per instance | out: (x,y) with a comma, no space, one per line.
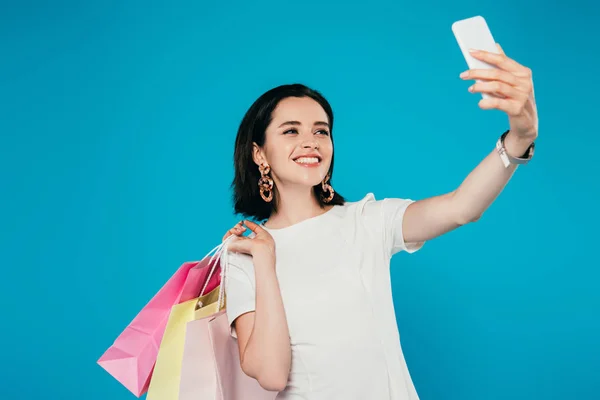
(240,244)
(254,227)
(237,230)
(491,75)
(496,87)
(500,49)
(499,60)
(227,235)
(509,106)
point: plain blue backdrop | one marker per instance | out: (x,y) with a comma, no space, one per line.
(117,122)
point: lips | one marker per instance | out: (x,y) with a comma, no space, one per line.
(308,159)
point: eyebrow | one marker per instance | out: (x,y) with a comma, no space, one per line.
(320,123)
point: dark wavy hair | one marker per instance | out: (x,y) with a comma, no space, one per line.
(246,194)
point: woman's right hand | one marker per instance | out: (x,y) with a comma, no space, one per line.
(262,243)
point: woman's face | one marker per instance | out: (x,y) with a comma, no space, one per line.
(298,144)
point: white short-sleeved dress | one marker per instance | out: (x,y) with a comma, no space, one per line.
(334,275)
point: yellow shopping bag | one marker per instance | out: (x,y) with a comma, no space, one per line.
(164,384)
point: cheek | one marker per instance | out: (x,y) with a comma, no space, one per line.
(278,153)
(327,150)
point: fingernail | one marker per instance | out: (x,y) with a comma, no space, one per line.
(472,51)
(464,74)
(471,89)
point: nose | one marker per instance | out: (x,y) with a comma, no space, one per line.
(310,144)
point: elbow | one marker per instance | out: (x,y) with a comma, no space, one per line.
(270,379)
(461,211)
(273,381)
(467,218)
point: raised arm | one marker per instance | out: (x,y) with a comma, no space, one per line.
(257,314)
(513,86)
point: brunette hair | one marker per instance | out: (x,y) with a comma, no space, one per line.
(246,195)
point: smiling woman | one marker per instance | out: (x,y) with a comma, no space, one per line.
(288,127)
(308,292)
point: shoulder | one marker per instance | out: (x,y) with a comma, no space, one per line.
(367,201)
(369,206)
(373,213)
(363,213)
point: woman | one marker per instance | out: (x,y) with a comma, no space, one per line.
(308,292)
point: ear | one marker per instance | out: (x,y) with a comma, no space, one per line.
(258,155)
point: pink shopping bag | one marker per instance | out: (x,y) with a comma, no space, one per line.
(210,366)
(131,358)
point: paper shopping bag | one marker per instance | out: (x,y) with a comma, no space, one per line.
(164,384)
(131,358)
(201,280)
(210,367)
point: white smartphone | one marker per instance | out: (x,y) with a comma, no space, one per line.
(474,33)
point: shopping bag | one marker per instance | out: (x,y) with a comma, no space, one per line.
(132,356)
(210,366)
(164,384)
(200,279)
(211,369)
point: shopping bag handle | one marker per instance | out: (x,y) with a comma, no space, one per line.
(220,252)
(224,261)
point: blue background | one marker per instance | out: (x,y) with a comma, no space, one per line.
(117,122)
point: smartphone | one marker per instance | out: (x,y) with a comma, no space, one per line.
(474,33)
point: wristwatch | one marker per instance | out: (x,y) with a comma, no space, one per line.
(507,159)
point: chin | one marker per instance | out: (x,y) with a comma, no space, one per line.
(309,180)
(311,177)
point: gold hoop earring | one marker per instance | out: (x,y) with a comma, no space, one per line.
(327,189)
(265,183)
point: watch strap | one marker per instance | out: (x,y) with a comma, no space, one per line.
(507,159)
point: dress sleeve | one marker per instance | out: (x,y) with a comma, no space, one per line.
(386,217)
(240,288)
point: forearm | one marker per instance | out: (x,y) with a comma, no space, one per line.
(269,342)
(483,185)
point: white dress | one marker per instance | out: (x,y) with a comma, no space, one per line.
(334,275)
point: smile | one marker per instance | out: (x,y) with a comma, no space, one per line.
(307,161)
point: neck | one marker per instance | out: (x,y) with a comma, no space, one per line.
(295,205)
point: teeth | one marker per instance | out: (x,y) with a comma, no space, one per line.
(307,160)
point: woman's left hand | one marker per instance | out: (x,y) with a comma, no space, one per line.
(512,85)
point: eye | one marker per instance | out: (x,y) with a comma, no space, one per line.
(290,131)
(323,132)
